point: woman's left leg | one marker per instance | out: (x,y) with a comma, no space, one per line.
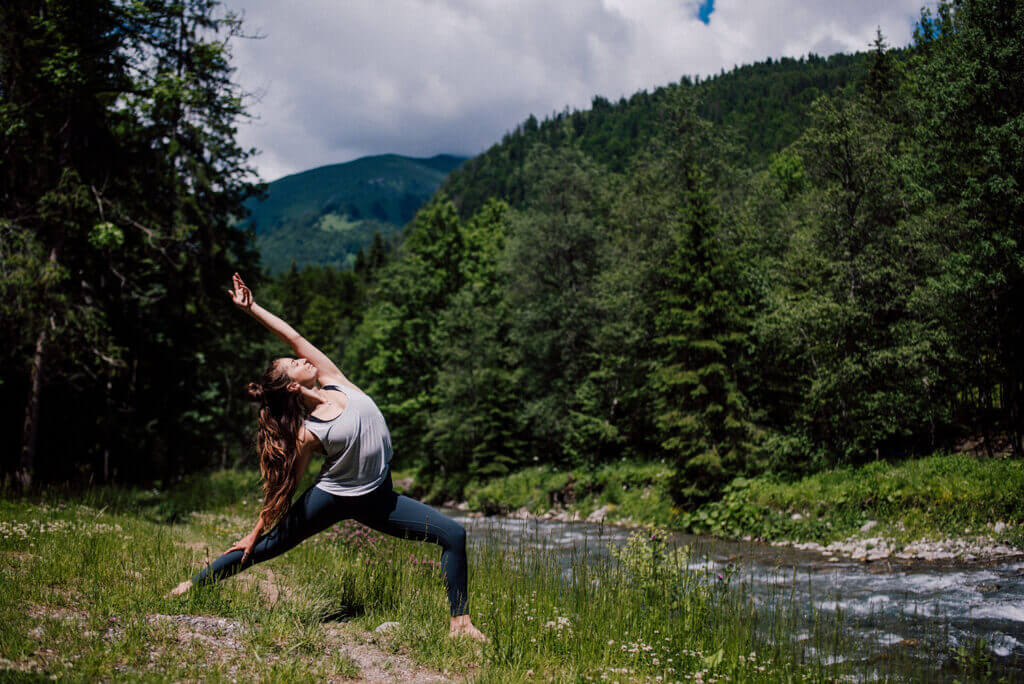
(401,516)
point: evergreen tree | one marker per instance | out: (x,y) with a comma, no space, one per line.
(556,252)
(700,409)
(967,93)
(473,428)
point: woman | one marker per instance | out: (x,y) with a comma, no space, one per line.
(308,405)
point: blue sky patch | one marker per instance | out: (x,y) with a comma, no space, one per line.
(705,9)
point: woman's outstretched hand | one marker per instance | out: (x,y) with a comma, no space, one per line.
(240,295)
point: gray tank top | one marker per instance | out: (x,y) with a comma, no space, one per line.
(357,444)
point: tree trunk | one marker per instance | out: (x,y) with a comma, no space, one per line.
(29,434)
(30,431)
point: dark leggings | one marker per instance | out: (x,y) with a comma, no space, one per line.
(382,510)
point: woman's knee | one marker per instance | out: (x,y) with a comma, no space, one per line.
(457,537)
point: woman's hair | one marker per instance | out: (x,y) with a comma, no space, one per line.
(280,418)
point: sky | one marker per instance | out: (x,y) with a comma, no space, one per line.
(333,81)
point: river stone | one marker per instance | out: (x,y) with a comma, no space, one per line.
(386,626)
(999,527)
(599,515)
(880,553)
(868,526)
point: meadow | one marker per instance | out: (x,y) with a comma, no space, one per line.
(84,579)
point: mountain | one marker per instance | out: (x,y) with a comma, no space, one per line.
(764,106)
(327,214)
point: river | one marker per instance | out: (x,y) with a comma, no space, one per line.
(928,609)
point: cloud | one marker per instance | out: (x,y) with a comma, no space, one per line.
(421,77)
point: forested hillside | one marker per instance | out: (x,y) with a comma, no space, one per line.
(797,264)
(764,106)
(326,215)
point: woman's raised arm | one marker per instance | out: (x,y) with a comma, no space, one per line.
(326,370)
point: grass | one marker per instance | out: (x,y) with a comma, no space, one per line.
(636,492)
(946,495)
(939,496)
(83,584)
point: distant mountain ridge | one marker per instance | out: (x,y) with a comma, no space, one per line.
(327,214)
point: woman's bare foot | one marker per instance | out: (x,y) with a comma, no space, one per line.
(181,588)
(462,626)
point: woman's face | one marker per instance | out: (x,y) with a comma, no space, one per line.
(298,370)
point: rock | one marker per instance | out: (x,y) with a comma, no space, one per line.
(877,554)
(599,515)
(999,527)
(868,526)
(386,626)
(797,516)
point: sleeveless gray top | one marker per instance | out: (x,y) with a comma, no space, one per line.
(357,444)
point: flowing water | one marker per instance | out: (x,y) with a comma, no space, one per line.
(926,610)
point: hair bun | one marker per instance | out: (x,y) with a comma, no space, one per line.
(254,391)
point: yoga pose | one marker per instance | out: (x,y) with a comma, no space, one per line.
(308,405)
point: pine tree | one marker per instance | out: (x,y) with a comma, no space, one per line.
(700,408)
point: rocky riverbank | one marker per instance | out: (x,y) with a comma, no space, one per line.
(970,548)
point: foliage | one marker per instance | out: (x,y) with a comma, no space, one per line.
(937,495)
(120,181)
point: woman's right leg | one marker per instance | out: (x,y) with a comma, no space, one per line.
(312,512)
(400,516)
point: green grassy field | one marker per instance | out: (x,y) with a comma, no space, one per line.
(84,578)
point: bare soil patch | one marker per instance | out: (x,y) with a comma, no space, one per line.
(375,664)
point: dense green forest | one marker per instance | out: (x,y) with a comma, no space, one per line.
(327,215)
(120,180)
(796,264)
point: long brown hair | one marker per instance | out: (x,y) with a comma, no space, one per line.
(280,418)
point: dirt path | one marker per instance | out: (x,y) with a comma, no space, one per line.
(375,664)
(219,640)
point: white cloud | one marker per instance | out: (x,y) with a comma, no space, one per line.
(341,80)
